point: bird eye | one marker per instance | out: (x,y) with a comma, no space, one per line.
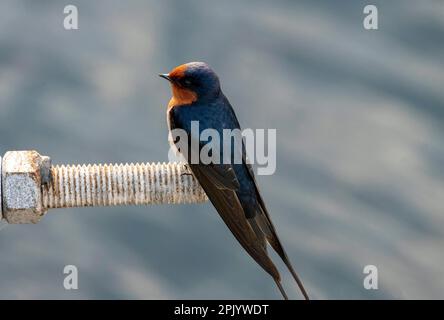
(187,82)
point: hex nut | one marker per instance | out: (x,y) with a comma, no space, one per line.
(22,186)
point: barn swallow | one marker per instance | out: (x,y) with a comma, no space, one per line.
(232,187)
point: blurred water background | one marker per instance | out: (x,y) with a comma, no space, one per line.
(360,130)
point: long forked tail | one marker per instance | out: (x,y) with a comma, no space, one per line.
(296,278)
(281,289)
(280,250)
(266,225)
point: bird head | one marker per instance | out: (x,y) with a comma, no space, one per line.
(193,81)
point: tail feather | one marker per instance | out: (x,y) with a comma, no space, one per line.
(276,245)
(263,220)
(281,289)
(296,278)
(267,227)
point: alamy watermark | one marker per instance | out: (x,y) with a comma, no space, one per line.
(371,279)
(370,21)
(71,20)
(225,146)
(71,281)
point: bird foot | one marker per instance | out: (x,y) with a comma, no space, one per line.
(187,171)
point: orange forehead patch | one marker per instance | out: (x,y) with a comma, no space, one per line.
(178,72)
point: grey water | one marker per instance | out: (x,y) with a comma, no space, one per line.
(360,156)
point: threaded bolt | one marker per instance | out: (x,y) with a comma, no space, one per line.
(120,184)
(30,185)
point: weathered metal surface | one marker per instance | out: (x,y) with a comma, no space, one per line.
(21,184)
(120,184)
(45,169)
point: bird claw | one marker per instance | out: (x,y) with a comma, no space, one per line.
(187,171)
(186,174)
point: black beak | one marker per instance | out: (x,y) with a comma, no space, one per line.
(165,76)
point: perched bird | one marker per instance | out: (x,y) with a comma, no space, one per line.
(231,187)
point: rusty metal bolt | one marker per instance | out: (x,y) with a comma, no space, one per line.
(21,184)
(31,185)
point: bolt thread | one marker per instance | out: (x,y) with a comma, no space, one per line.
(120,184)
